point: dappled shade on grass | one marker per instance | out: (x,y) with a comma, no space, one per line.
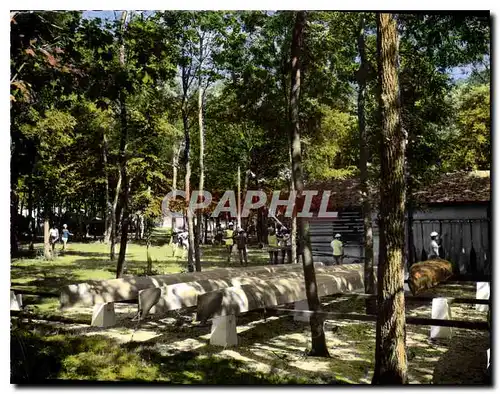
(42,354)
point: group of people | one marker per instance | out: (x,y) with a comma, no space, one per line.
(279,239)
(54,236)
(238,238)
(338,247)
(229,238)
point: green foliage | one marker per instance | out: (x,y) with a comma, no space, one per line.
(431,45)
(469,142)
(65,101)
(333,151)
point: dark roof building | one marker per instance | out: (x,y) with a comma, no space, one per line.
(459,187)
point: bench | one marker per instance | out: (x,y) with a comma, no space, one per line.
(103,294)
(222,306)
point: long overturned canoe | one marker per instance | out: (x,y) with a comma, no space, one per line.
(246,297)
(182,295)
(124,289)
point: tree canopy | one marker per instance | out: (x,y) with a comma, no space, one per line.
(66,79)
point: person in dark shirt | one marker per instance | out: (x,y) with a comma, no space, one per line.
(272,244)
(286,246)
(241,244)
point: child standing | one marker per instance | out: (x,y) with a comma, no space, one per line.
(65,235)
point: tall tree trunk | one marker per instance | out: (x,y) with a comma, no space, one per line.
(119,205)
(125,222)
(244,221)
(293,236)
(187,185)
(371,305)
(47,252)
(411,257)
(202,169)
(410,246)
(107,213)
(112,215)
(38,221)
(125,190)
(175,166)
(318,347)
(135,221)
(293,240)
(123,160)
(30,213)
(238,187)
(260,232)
(207,223)
(21,206)
(142,226)
(390,353)
(190,221)
(14,248)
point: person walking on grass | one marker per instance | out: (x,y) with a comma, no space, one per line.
(272,242)
(286,245)
(53,237)
(65,235)
(338,249)
(241,244)
(229,240)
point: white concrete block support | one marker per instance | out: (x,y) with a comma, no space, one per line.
(16,301)
(223,331)
(301,306)
(104,315)
(482,293)
(441,310)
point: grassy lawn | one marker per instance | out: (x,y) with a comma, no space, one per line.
(90,261)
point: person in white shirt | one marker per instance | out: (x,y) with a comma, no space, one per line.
(338,249)
(434,246)
(53,236)
(183,239)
